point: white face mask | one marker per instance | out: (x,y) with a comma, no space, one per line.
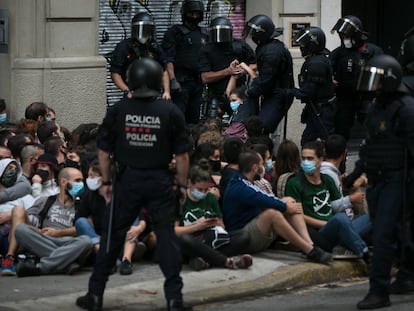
(93,183)
(348,43)
(262,171)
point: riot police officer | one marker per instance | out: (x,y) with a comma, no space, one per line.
(316,88)
(406,59)
(141,44)
(274,64)
(346,61)
(142,132)
(216,62)
(388,161)
(182,44)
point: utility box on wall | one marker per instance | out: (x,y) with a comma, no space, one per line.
(4,31)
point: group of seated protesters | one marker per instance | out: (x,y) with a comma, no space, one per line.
(240,199)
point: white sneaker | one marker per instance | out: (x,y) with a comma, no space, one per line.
(340,252)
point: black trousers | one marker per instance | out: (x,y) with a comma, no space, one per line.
(133,190)
(385,207)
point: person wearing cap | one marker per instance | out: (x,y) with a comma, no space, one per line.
(141,44)
(44,178)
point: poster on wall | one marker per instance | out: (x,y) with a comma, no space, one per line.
(295,28)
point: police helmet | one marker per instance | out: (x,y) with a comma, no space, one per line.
(142,27)
(312,40)
(221,30)
(350,26)
(381,73)
(192,6)
(261,29)
(406,55)
(144,78)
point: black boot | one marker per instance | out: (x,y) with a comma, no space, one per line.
(90,302)
(374,301)
(178,305)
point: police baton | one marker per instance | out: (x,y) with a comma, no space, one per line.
(111,208)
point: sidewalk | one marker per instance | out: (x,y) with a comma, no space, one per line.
(272,271)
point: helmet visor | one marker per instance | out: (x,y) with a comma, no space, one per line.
(344,26)
(370,79)
(142,31)
(250,29)
(221,33)
(302,37)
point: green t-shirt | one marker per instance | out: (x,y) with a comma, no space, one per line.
(316,199)
(193,210)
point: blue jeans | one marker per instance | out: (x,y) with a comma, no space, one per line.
(342,230)
(84,227)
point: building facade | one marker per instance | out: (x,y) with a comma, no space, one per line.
(57,51)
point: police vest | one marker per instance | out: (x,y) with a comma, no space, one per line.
(188,44)
(317,70)
(145,133)
(385,148)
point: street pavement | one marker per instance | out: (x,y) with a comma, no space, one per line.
(272,271)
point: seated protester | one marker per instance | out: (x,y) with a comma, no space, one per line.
(16,143)
(201,230)
(46,230)
(256,132)
(138,240)
(264,151)
(259,180)
(44,185)
(57,147)
(47,129)
(211,153)
(287,160)
(232,148)
(241,109)
(320,197)
(5,153)
(44,178)
(92,208)
(264,216)
(335,156)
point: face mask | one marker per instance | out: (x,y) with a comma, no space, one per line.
(3,118)
(93,183)
(308,167)
(71,163)
(48,118)
(269,165)
(215,165)
(234,105)
(348,43)
(9,177)
(198,195)
(44,175)
(76,189)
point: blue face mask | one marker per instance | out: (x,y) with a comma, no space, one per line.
(77,189)
(198,194)
(48,118)
(269,165)
(308,167)
(3,118)
(234,105)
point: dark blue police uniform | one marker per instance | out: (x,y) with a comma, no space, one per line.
(346,64)
(218,56)
(275,67)
(316,90)
(143,135)
(182,45)
(388,158)
(129,50)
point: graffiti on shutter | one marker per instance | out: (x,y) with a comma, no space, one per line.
(115,23)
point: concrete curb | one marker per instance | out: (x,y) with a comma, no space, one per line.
(282,279)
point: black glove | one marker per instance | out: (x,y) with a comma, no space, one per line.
(175,86)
